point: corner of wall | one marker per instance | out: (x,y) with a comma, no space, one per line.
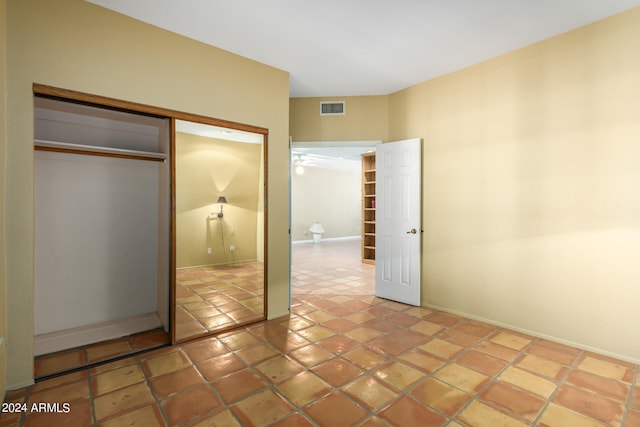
(3,141)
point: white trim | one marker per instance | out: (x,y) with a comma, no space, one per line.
(330,239)
(275,316)
(97,149)
(338,144)
(83,335)
(581,346)
(220,264)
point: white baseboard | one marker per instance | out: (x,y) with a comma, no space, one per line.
(330,239)
(537,334)
(83,335)
(218,265)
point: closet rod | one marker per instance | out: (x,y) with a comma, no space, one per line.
(91,150)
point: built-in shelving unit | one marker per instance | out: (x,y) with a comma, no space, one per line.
(369,208)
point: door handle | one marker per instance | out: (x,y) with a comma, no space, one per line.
(412,231)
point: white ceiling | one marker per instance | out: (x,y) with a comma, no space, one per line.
(217,132)
(340,155)
(367,47)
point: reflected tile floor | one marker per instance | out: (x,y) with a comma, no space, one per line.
(348,360)
(215,297)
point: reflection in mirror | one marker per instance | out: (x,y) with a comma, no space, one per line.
(219,219)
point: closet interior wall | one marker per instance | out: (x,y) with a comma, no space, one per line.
(102,213)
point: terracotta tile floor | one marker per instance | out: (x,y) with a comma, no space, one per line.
(236,297)
(216,297)
(61,361)
(348,360)
(332,267)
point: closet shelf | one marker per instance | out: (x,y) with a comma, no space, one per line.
(92,150)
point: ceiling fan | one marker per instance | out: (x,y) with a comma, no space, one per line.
(300,161)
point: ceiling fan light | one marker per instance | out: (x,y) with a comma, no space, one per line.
(299,170)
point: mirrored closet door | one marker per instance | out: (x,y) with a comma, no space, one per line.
(219,228)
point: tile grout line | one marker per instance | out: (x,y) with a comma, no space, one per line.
(389,359)
(210,383)
(204,382)
(632,390)
(430,375)
(579,357)
(92,398)
(23,415)
(339,389)
(147,380)
(493,378)
(273,386)
(251,367)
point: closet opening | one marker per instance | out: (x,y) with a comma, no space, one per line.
(102,233)
(128,197)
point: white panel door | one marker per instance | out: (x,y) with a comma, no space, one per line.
(398,216)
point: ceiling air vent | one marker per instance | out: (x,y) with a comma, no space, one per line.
(333,108)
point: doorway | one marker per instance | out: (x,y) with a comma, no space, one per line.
(326,189)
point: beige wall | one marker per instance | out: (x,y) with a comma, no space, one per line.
(330,197)
(531,196)
(76,45)
(365,119)
(3,145)
(207,168)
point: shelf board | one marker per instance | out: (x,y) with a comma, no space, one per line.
(93,150)
(370,247)
(369,222)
